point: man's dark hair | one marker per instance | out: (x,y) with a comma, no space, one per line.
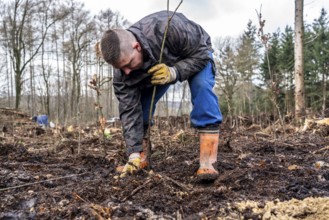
(110,46)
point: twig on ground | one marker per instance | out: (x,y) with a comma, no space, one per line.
(77,197)
(181,185)
(43,181)
(320,150)
(136,190)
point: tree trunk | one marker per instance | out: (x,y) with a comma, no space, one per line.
(10,79)
(299,62)
(32,93)
(324,92)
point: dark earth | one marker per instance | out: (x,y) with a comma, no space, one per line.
(67,173)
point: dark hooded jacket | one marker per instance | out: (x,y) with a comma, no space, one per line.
(187,48)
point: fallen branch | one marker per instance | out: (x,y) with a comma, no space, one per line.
(97,211)
(136,190)
(322,149)
(181,185)
(14,111)
(163,178)
(43,181)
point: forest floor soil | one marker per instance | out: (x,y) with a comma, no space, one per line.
(275,172)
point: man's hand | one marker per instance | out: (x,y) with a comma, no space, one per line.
(132,165)
(162,74)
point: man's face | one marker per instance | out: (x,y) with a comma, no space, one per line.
(131,61)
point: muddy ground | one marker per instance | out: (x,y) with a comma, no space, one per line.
(265,173)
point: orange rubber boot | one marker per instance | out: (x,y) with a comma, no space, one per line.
(144,159)
(208,156)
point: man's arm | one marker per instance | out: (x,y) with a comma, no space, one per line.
(131,114)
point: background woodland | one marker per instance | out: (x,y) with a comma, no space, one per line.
(48,59)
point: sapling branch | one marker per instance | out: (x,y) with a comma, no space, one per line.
(272,84)
(148,144)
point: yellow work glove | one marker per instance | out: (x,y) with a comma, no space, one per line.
(132,165)
(162,74)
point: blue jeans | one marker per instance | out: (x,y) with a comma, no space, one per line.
(205,103)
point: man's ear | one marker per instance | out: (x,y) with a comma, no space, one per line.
(137,45)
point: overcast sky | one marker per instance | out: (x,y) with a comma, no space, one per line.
(220,18)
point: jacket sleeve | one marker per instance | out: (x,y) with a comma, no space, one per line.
(187,44)
(130,110)
(191,44)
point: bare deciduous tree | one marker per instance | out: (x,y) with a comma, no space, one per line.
(25,41)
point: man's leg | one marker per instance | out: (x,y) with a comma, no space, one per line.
(206,117)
